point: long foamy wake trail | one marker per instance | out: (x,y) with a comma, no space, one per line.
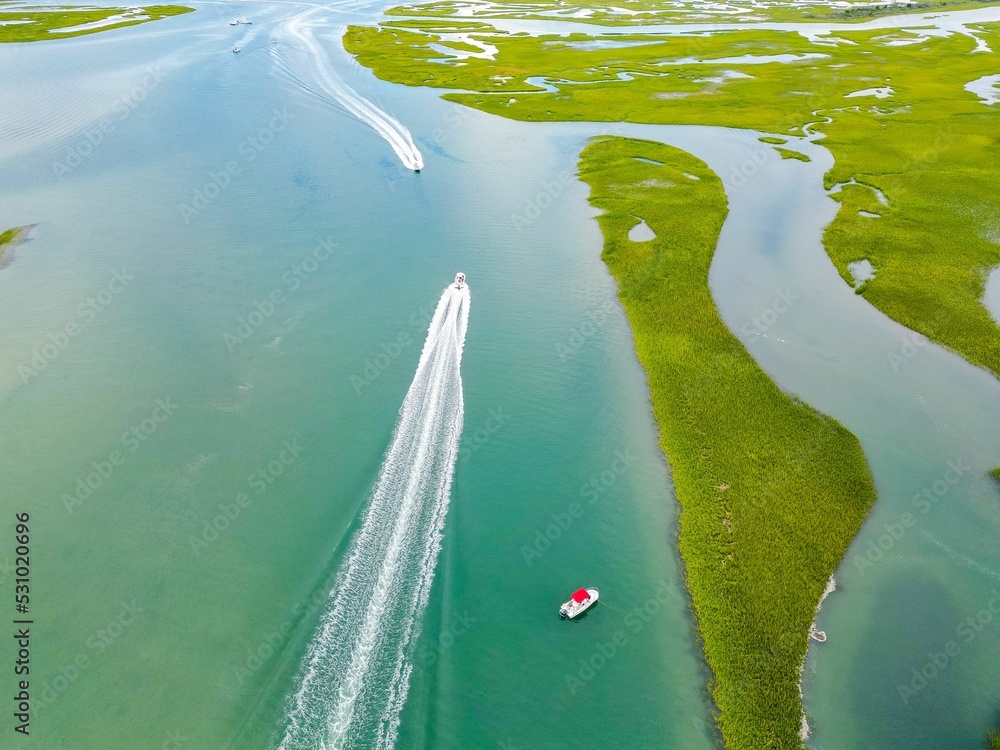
(354,679)
(310,65)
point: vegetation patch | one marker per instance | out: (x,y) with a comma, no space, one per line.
(772,139)
(931,148)
(640,12)
(11,237)
(789,154)
(34,24)
(771,491)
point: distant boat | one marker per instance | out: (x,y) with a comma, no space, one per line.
(236,49)
(239,21)
(817,635)
(459,280)
(581,601)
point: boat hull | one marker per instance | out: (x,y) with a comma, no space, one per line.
(573,609)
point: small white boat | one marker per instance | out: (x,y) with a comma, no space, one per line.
(241,21)
(236,49)
(579,602)
(459,280)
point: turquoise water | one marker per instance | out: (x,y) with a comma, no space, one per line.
(224,624)
(153,625)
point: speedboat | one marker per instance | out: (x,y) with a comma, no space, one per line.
(459,280)
(579,602)
(236,49)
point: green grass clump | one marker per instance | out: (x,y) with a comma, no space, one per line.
(9,238)
(789,154)
(772,139)
(996,473)
(771,491)
(993,741)
(49,22)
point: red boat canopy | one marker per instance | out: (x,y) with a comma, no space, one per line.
(580,596)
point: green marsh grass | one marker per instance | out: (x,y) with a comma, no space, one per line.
(9,238)
(771,491)
(789,154)
(932,148)
(49,22)
(652,11)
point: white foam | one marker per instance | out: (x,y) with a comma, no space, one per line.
(356,673)
(316,66)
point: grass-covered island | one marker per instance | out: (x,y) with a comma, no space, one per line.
(10,238)
(771,491)
(25,23)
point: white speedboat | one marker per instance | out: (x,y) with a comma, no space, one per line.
(579,602)
(236,49)
(459,280)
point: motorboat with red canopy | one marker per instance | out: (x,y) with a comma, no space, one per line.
(580,601)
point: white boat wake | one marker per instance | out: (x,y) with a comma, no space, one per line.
(356,673)
(311,63)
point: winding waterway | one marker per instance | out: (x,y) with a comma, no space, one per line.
(250,358)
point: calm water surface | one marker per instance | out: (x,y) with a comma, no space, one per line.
(220,179)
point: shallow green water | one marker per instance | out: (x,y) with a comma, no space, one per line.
(205,638)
